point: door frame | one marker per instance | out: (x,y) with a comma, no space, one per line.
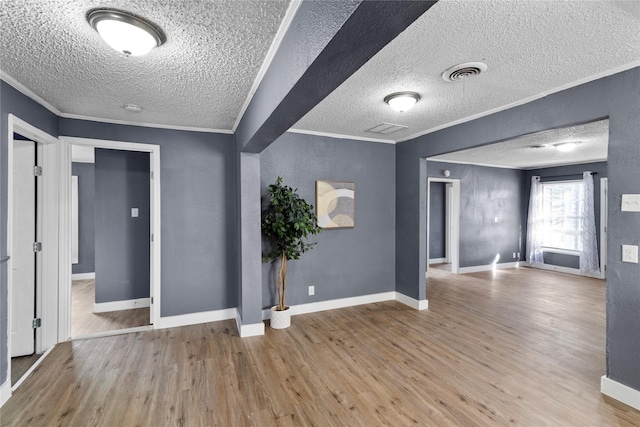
(604,219)
(47,288)
(452,215)
(64,321)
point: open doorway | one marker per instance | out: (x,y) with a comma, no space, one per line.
(113,212)
(443,223)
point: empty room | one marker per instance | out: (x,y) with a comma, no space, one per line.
(291,213)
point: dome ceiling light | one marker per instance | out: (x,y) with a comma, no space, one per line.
(125,32)
(402,101)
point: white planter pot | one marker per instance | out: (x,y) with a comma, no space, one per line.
(280,319)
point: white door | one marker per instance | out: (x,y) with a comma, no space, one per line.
(22,252)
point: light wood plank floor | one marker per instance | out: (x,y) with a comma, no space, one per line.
(511,347)
(85,321)
(20,365)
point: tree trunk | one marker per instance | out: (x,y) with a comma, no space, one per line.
(282,281)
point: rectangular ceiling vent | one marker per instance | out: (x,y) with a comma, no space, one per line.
(386,128)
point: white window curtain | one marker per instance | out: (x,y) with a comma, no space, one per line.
(535,223)
(589,255)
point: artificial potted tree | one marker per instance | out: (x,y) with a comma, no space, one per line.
(287,222)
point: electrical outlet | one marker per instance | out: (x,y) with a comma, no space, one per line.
(630,253)
(312,290)
(518,255)
(514,255)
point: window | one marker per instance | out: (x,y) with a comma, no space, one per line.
(562,207)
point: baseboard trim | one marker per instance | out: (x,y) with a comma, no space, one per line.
(196,318)
(5,391)
(488,267)
(412,302)
(31,369)
(314,307)
(112,333)
(437,260)
(250,330)
(620,392)
(83,276)
(103,307)
(561,269)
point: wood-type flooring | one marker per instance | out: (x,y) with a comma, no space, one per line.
(517,347)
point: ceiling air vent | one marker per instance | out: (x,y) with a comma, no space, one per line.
(463,71)
(386,128)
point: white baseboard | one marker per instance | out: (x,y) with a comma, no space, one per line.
(335,303)
(620,392)
(103,307)
(561,269)
(196,318)
(251,330)
(83,276)
(112,333)
(412,302)
(31,369)
(5,391)
(488,267)
(437,260)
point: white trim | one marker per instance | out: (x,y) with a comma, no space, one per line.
(30,370)
(412,302)
(27,92)
(351,302)
(526,100)
(146,125)
(452,205)
(489,267)
(5,391)
(103,307)
(620,392)
(250,330)
(64,320)
(112,333)
(271,53)
(47,296)
(340,136)
(196,318)
(437,260)
(83,276)
(561,269)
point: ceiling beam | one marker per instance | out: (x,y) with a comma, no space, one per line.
(326,43)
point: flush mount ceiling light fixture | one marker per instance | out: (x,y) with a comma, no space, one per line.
(402,101)
(566,146)
(125,32)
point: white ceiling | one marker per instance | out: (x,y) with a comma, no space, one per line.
(537,151)
(203,76)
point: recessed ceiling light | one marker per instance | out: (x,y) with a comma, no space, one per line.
(125,32)
(132,108)
(402,101)
(566,146)
(463,71)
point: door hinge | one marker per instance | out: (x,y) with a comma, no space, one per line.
(152,237)
(151,174)
(36,323)
(37,246)
(151,300)
(37,170)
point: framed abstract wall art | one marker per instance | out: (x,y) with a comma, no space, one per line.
(336,204)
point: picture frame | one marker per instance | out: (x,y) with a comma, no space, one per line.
(336,204)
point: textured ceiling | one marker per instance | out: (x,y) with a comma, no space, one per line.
(203,75)
(200,77)
(530,48)
(536,150)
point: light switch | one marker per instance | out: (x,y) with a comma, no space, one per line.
(134,212)
(630,253)
(630,203)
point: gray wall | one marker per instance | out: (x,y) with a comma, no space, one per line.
(122,241)
(86,220)
(346,262)
(563,173)
(437,220)
(486,194)
(197,209)
(12,101)
(616,97)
